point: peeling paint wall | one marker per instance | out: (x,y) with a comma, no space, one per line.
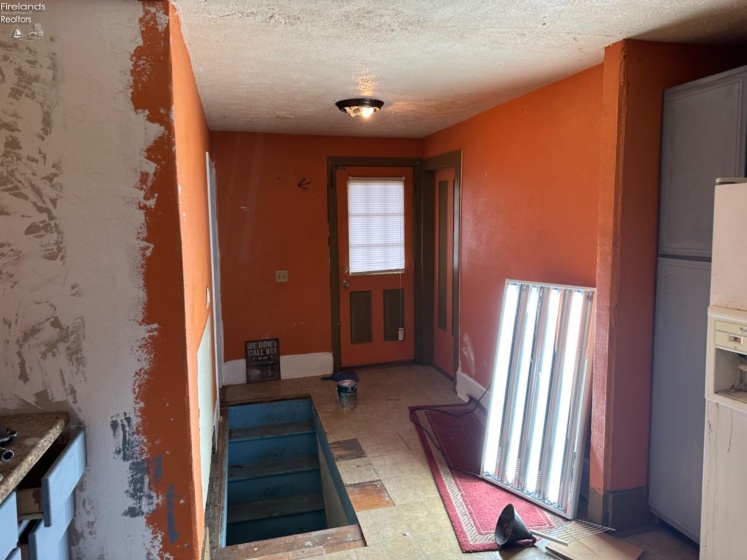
(91,284)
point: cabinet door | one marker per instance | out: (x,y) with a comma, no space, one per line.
(51,542)
(63,476)
(8,525)
(703,138)
(678,389)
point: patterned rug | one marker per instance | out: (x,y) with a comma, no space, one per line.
(473,504)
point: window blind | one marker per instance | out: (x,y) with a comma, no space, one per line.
(376,225)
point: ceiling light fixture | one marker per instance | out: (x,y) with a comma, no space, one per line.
(363,106)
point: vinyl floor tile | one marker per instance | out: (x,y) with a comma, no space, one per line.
(354,471)
(416,525)
(368,495)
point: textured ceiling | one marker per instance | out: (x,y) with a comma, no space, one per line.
(279,66)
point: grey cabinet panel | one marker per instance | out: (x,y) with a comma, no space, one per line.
(677,399)
(703,137)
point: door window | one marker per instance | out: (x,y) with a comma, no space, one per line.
(376,225)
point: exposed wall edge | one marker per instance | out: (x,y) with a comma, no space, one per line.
(623,510)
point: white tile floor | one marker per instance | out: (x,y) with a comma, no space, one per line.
(417,526)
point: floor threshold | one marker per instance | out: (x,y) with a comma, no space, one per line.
(303,545)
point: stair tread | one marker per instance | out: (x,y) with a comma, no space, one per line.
(330,540)
(279,507)
(273,468)
(271,431)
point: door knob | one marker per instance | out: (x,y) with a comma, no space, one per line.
(345,284)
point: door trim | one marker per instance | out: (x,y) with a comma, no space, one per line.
(333,164)
(424,251)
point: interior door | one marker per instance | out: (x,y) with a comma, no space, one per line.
(443,279)
(376,263)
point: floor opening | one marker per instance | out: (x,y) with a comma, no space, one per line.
(281,478)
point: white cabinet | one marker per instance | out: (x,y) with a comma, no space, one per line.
(729,276)
(42,506)
(724,483)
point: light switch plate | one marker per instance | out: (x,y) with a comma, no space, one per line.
(281,276)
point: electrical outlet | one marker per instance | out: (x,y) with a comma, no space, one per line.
(281,276)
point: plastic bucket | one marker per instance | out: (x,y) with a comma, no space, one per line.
(347,393)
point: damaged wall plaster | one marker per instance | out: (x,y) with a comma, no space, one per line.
(71,255)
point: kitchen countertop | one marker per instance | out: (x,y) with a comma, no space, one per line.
(36,433)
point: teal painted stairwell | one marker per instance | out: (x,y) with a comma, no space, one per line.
(275,480)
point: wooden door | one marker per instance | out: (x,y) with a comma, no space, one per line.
(375,278)
(443,279)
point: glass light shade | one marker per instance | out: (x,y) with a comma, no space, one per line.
(363,106)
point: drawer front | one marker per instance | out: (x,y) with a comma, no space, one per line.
(15,554)
(50,543)
(731,328)
(731,341)
(62,478)
(8,525)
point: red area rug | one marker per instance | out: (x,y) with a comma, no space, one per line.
(473,504)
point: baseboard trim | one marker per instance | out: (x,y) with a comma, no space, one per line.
(623,510)
(234,372)
(467,387)
(292,366)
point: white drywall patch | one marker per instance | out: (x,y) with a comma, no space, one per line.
(205,378)
(70,253)
(306,365)
(234,372)
(292,366)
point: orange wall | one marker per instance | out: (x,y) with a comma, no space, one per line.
(636,74)
(163,392)
(267,223)
(530,175)
(192,141)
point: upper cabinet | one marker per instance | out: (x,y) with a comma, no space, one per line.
(704,137)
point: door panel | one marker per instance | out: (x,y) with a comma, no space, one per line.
(374,306)
(677,399)
(361,324)
(443,335)
(394,301)
(703,138)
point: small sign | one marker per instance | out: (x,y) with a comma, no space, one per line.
(262,359)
